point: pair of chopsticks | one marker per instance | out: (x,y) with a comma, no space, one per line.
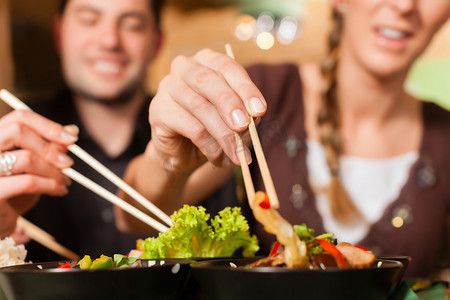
(17,104)
(262,163)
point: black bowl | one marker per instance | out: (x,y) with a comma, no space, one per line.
(220,279)
(193,290)
(405,260)
(153,279)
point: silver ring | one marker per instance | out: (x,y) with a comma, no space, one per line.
(7,161)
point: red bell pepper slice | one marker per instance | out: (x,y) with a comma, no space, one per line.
(275,249)
(361,247)
(265,203)
(65,266)
(337,255)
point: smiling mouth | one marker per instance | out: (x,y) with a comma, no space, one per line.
(108,67)
(392,34)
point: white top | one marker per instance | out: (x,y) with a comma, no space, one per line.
(372,184)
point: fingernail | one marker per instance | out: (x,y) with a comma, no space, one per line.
(240,118)
(256,106)
(70,133)
(65,160)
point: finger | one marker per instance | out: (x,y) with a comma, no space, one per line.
(237,78)
(12,186)
(211,85)
(23,202)
(8,217)
(207,130)
(19,135)
(48,129)
(19,235)
(30,163)
(166,132)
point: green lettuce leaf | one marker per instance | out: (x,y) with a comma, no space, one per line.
(192,235)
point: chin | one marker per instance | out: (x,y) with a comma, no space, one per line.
(107,92)
(388,72)
(106,97)
(387,66)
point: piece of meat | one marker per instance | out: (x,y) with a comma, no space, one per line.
(323,261)
(356,257)
(270,261)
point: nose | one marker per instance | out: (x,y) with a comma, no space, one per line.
(404,6)
(109,36)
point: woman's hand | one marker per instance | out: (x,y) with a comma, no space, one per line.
(198,107)
(32,154)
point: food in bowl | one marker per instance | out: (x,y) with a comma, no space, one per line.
(195,234)
(103,262)
(10,253)
(230,279)
(301,248)
(144,279)
(323,252)
(300,266)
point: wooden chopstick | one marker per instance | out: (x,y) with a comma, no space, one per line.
(263,167)
(96,165)
(17,104)
(45,239)
(248,183)
(104,193)
(262,163)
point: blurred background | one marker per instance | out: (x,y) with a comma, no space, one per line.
(269,31)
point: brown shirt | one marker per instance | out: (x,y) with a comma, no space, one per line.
(424,201)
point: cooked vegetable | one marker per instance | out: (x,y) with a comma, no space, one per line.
(65,266)
(106,262)
(301,247)
(304,233)
(195,235)
(265,202)
(307,234)
(333,251)
(85,262)
(275,249)
(361,247)
(295,250)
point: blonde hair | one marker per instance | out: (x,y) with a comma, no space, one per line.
(341,206)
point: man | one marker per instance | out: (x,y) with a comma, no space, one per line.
(105,48)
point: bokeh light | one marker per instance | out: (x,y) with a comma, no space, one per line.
(397,222)
(265,22)
(266,29)
(288,30)
(246,27)
(265,40)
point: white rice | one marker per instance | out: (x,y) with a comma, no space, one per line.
(10,254)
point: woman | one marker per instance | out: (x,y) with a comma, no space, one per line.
(349,150)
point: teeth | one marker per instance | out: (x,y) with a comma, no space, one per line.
(391,33)
(106,66)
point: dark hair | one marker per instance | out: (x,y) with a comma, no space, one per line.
(155,5)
